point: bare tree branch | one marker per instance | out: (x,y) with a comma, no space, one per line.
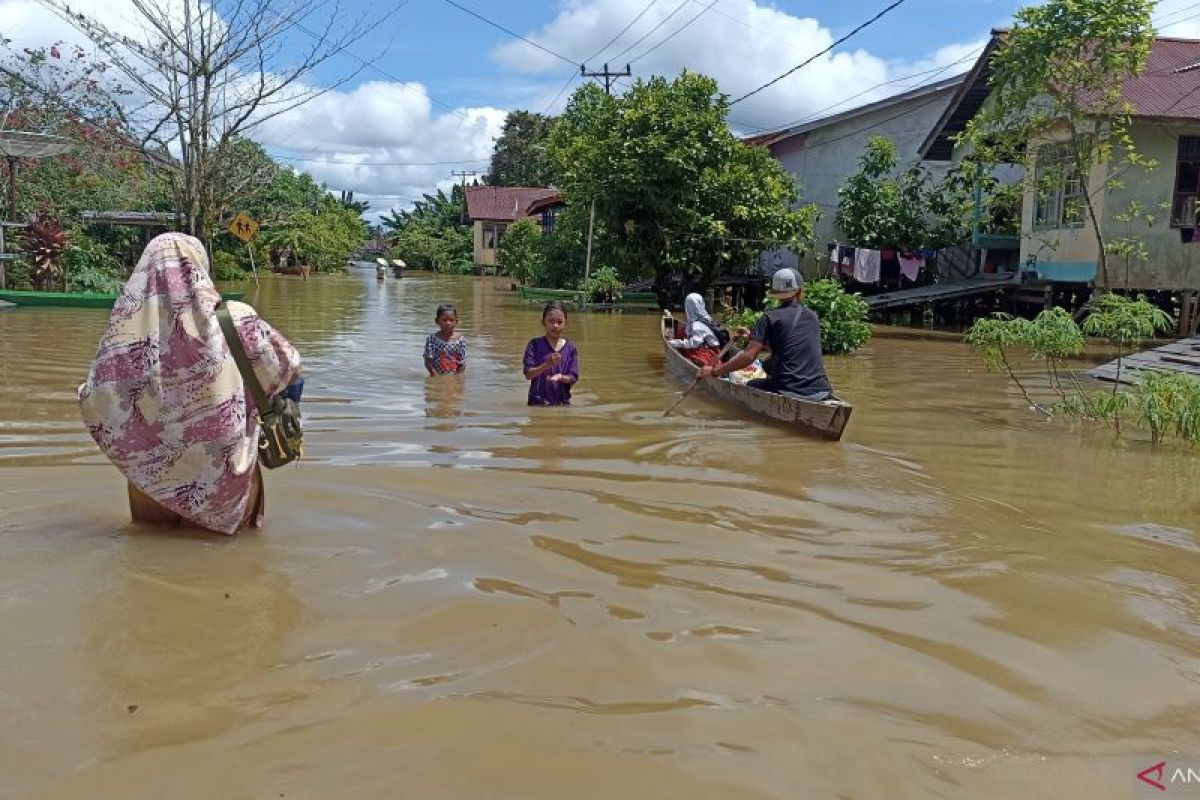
(207,76)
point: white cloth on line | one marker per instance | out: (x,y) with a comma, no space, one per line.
(866,265)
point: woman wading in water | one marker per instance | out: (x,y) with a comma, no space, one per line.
(164,399)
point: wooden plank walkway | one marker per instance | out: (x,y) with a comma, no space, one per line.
(1180,356)
(976,284)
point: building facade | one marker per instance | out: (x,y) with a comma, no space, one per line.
(824,152)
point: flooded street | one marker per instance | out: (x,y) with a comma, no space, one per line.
(457,596)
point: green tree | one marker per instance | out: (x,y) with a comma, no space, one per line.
(519,157)
(521,251)
(431,235)
(671,184)
(324,238)
(1058,75)
(566,247)
(881,207)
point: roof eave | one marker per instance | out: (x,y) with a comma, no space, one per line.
(971,78)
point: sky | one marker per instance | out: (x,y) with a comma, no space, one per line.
(440,81)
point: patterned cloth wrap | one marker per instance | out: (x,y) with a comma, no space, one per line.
(752,372)
(164,400)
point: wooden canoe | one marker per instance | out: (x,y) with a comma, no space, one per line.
(826,418)
(74,299)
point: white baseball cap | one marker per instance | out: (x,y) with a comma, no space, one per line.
(785,283)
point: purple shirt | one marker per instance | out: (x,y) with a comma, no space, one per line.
(541,391)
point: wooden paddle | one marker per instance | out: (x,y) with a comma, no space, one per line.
(696,382)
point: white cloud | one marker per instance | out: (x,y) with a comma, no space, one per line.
(389,145)
(741,43)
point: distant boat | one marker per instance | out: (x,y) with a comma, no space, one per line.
(75,299)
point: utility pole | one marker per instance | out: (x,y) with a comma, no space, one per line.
(464,174)
(610,78)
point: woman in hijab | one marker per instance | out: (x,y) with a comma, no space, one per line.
(699,342)
(164,399)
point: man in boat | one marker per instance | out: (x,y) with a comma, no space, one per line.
(792,334)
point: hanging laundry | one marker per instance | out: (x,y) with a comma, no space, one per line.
(910,265)
(846,260)
(866,265)
(834,254)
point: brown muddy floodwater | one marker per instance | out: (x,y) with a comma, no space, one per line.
(457,596)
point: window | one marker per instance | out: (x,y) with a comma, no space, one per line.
(1187,182)
(492,233)
(549,220)
(1059,189)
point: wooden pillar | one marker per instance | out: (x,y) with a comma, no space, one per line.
(1189,313)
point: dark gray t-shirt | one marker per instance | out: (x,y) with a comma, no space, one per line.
(793,335)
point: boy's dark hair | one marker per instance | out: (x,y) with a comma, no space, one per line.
(445,308)
(554,305)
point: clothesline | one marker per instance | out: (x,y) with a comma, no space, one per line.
(865,264)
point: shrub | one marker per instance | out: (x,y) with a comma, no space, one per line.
(844,326)
(88,266)
(44,240)
(1163,403)
(227,267)
(604,286)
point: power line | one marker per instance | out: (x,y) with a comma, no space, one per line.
(932,73)
(1176,13)
(747,25)
(570,79)
(865,128)
(404,84)
(815,56)
(514,34)
(678,31)
(935,71)
(647,34)
(624,30)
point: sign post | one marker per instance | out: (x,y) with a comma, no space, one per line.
(244,227)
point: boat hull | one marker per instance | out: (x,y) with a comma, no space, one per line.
(827,418)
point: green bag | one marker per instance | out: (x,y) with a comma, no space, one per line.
(280,438)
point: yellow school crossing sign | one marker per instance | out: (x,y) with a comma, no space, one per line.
(243,227)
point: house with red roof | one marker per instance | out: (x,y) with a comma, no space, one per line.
(1164,103)
(492,209)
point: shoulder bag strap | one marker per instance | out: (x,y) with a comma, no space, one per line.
(243,362)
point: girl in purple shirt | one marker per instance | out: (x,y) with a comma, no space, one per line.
(551,363)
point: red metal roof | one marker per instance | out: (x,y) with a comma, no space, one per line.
(504,203)
(1170,86)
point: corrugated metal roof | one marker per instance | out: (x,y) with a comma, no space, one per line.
(504,203)
(768,138)
(1169,88)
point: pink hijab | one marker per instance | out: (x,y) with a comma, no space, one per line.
(164,399)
